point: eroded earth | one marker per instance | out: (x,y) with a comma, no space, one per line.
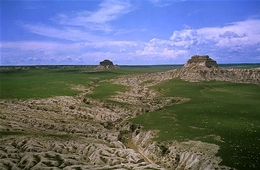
(82,133)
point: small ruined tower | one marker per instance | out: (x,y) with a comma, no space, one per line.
(201,61)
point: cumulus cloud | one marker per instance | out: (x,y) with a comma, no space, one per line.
(240,34)
(230,34)
(186,37)
(232,40)
(162,49)
(236,33)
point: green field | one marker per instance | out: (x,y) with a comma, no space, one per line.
(43,83)
(228,110)
(223,113)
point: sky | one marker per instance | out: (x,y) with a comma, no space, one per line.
(128,32)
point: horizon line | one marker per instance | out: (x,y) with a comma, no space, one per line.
(39,65)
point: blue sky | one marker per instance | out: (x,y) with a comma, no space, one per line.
(128,32)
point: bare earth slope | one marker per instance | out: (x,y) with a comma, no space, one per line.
(61,132)
(198,73)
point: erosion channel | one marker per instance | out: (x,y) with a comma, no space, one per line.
(80,132)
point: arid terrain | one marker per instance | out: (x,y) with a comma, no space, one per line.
(79,132)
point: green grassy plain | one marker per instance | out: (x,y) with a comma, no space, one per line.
(106,89)
(240,66)
(43,83)
(34,83)
(223,113)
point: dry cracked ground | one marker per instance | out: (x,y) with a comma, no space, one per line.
(82,133)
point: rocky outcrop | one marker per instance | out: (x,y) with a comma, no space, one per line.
(203,68)
(106,65)
(196,74)
(171,154)
(201,61)
(191,155)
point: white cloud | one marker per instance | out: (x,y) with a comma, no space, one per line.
(237,49)
(66,33)
(109,10)
(162,49)
(186,38)
(121,52)
(160,3)
(37,52)
(243,33)
(68,47)
(27,45)
(237,39)
(33,52)
(237,33)
(231,42)
(84,25)
(184,35)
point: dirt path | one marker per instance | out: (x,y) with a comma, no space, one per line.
(131,145)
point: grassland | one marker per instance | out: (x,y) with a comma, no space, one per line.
(240,66)
(43,83)
(106,89)
(223,113)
